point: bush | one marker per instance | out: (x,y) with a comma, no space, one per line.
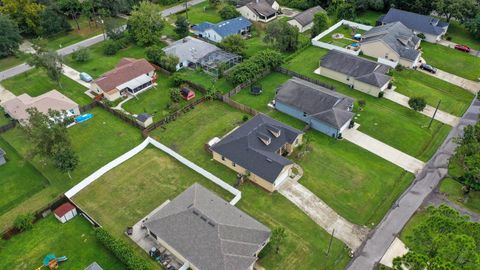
(380,94)
(81,55)
(449,38)
(110,47)
(417,103)
(254,66)
(177,79)
(229,12)
(24,222)
(121,250)
(421,36)
(175,96)
(245,118)
(399,67)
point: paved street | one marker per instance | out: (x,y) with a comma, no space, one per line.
(351,234)
(179,8)
(370,253)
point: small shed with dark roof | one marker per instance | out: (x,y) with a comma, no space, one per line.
(304,20)
(323,109)
(144,119)
(359,73)
(65,212)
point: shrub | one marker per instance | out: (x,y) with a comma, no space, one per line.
(417,103)
(421,35)
(110,47)
(380,94)
(81,55)
(24,222)
(121,250)
(399,67)
(362,103)
(449,38)
(229,12)
(175,95)
(177,79)
(245,118)
(254,66)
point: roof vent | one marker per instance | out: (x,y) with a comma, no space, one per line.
(275,131)
(264,138)
(195,213)
(203,218)
(269,160)
(211,224)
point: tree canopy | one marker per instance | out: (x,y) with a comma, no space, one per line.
(417,103)
(26,13)
(282,35)
(9,36)
(229,12)
(182,27)
(320,23)
(145,25)
(467,155)
(51,61)
(234,44)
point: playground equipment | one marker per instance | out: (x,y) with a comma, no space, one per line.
(51,261)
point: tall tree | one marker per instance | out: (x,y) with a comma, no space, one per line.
(234,44)
(26,13)
(182,27)
(53,22)
(146,23)
(50,61)
(72,9)
(9,36)
(229,12)
(282,35)
(65,159)
(418,6)
(320,23)
(342,9)
(458,9)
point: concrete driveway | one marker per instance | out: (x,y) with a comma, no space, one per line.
(383,150)
(74,75)
(5,95)
(396,249)
(451,45)
(466,84)
(351,234)
(441,116)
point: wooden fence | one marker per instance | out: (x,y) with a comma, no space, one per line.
(239,106)
(239,87)
(303,77)
(8,126)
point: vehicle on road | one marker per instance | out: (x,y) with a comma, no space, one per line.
(428,68)
(85,77)
(463,48)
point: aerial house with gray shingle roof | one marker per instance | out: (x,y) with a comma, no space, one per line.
(323,109)
(304,20)
(359,73)
(258,150)
(258,10)
(208,233)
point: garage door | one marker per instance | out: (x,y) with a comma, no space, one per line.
(281,178)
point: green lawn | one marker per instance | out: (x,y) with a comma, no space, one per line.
(203,79)
(382,119)
(200,13)
(348,34)
(86,31)
(74,239)
(359,185)
(368,17)
(454,99)
(453,190)
(96,142)
(460,35)
(11,61)
(453,61)
(36,82)
(100,63)
(188,135)
(3,117)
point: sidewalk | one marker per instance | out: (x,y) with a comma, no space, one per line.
(383,150)
(441,116)
(351,234)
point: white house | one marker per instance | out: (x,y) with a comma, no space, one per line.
(65,212)
(217,32)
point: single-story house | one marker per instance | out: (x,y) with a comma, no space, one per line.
(359,73)
(393,42)
(433,28)
(258,10)
(2,157)
(324,110)
(201,229)
(52,100)
(144,119)
(217,32)
(94,266)
(65,212)
(130,76)
(192,52)
(304,20)
(257,150)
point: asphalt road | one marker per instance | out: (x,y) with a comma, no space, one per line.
(179,8)
(378,241)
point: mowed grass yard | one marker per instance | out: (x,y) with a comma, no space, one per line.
(96,142)
(200,13)
(208,82)
(359,185)
(454,99)
(74,239)
(453,190)
(452,61)
(460,35)
(11,61)
(100,63)
(188,135)
(382,119)
(36,82)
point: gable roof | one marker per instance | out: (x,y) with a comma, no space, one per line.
(306,17)
(208,231)
(318,102)
(190,49)
(225,28)
(361,69)
(63,209)
(94,266)
(262,7)
(52,100)
(397,36)
(241,3)
(126,70)
(245,147)
(418,22)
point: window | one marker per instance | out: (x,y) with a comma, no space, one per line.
(223,158)
(233,164)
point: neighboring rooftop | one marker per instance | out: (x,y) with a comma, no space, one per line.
(418,22)
(127,70)
(306,17)
(397,36)
(225,28)
(143,117)
(52,100)
(94,266)
(241,3)
(321,103)
(247,147)
(63,209)
(190,49)
(361,69)
(262,7)
(208,231)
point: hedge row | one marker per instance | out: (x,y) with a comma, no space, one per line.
(250,68)
(121,250)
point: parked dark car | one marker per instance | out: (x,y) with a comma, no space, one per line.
(428,68)
(463,48)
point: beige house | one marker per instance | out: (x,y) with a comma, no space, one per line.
(130,76)
(258,10)
(359,73)
(52,100)
(257,150)
(392,42)
(304,20)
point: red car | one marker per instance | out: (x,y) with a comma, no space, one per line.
(463,48)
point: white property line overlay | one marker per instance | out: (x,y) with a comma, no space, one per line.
(137,149)
(316,40)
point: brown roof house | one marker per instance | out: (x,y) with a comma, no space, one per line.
(258,10)
(53,100)
(304,20)
(207,233)
(130,76)
(257,150)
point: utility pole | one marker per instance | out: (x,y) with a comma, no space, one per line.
(330,243)
(435,113)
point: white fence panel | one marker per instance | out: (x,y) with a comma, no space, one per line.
(387,62)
